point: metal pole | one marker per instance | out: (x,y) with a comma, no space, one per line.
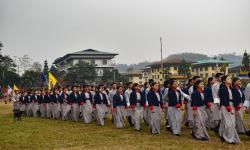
(161,60)
(114,75)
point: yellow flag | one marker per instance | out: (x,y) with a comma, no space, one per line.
(52,80)
(15,88)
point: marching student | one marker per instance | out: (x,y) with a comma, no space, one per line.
(238,100)
(199,104)
(165,102)
(127,96)
(227,129)
(186,91)
(189,108)
(65,105)
(86,105)
(210,123)
(106,92)
(22,104)
(100,105)
(16,101)
(35,105)
(174,107)
(147,88)
(42,104)
(154,98)
(246,103)
(119,106)
(137,103)
(111,94)
(27,101)
(73,100)
(48,103)
(216,104)
(56,106)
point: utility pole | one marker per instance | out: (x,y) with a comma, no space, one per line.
(162,77)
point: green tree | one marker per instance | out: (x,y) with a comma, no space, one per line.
(245,60)
(31,78)
(184,68)
(108,76)
(46,69)
(82,72)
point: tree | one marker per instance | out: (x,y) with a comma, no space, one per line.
(108,76)
(245,60)
(81,73)
(46,68)
(9,78)
(36,66)
(25,62)
(31,79)
(184,68)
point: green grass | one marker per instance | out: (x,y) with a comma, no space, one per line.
(37,133)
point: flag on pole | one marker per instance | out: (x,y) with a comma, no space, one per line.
(43,79)
(9,90)
(15,88)
(52,80)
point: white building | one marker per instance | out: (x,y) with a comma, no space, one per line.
(101,60)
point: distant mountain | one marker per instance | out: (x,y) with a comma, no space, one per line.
(187,56)
(235,60)
(123,67)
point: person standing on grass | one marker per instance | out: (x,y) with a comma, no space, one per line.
(28,103)
(216,114)
(65,105)
(16,101)
(86,104)
(227,129)
(127,96)
(74,99)
(247,100)
(209,98)
(147,87)
(186,101)
(111,94)
(174,107)
(154,98)
(165,102)
(137,103)
(238,100)
(119,108)
(48,102)
(56,107)
(100,105)
(42,104)
(199,104)
(35,106)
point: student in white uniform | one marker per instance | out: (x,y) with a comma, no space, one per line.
(127,96)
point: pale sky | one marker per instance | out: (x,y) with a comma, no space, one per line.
(47,29)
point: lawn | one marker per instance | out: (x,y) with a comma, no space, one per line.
(37,133)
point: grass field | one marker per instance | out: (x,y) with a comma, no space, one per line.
(37,133)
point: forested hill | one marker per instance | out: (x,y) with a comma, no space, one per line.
(235,60)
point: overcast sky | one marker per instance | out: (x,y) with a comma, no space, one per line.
(47,29)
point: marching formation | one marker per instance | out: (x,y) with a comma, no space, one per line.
(218,106)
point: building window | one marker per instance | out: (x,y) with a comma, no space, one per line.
(206,75)
(201,75)
(104,61)
(206,68)
(92,61)
(158,76)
